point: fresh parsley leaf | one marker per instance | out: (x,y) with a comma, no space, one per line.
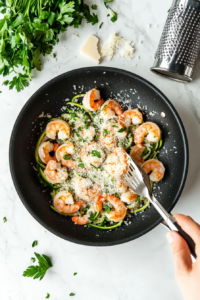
(19,82)
(72,294)
(90,18)
(107,209)
(33,259)
(40,270)
(93,166)
(48,296)
(81,165)
(94,6)
(66,157)
(75,274)
(105,132)
(34,244)
(96,153)
(114,126)
(121,130)
(100,25)
(4,220)
(114,16)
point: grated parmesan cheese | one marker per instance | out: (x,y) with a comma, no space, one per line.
(113,44)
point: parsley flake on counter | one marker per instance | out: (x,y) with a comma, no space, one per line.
(34,244)
(72,294)
(54,55)
(33,259)
(48,296)
(94,6)
(40,270)
(4,220)
(75,274)
(100,25)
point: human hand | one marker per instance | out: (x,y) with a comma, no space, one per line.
(187,273)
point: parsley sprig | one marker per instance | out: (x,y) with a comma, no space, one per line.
(40,270)
(30,29)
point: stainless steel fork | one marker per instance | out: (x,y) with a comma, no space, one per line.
(137,179)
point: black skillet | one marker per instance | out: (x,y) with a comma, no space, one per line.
(49,99)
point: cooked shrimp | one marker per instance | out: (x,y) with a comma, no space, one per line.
(110,133)
(133,116)
(58,128)
(55,173)
(110,109)
(84,219)
(150,131)
(85,133)
(136,153)
(116,215)
(92,100)
(129,196)
(86,189)
(64,153)
(46,152)
(80,220)
(64,203)
(121,186)
(91,153)
(116,163)
(157,168)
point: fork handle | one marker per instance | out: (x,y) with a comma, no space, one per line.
(172,224)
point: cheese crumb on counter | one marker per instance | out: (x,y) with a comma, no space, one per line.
(127,51)
(90,49)
(114,43)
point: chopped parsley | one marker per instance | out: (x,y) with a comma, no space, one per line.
(105,132)
(54,55)
(107,209)
(72,294)
(104,107)
(122,130)
(138,199)
(33,259)
(4,220)
(75,274)
(48,296)
(114,126)
(34,244)
(66,157)
(96,153)
(81,165)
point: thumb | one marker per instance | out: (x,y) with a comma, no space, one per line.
(180,252)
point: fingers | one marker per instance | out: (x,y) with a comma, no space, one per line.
(180,252)
(191,228)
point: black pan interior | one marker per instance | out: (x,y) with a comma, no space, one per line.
(49,99)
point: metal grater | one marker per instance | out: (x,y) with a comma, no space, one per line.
(179,45)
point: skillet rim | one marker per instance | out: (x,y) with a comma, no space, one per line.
(104,69)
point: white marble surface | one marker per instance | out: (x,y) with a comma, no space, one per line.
(136,270)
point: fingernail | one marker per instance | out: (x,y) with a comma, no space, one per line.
(169,237)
